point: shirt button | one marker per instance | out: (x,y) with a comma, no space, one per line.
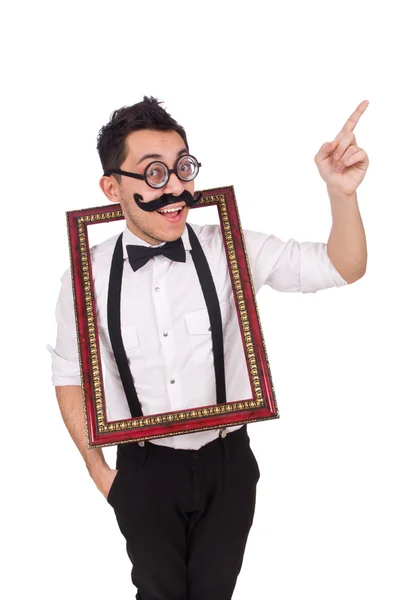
(165,334)
(157,289)
(172,381)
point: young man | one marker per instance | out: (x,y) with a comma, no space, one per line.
(185,504)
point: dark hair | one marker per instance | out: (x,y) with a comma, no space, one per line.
(147,114)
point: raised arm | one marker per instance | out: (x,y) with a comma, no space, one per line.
(343,165)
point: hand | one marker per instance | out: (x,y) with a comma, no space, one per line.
(104,480)
(341,163)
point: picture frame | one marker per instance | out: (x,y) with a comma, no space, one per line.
(261,406)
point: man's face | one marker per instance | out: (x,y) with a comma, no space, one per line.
(144,147)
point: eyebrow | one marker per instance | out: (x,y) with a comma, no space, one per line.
(157,156)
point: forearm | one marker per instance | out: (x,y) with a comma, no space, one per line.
(347,246)
(71,405)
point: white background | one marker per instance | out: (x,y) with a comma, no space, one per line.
(259,87)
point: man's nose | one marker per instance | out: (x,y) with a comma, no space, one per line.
(174,186)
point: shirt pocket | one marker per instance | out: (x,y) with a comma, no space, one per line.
(130,340)
(200,335)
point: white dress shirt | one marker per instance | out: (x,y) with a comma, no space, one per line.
(165,323)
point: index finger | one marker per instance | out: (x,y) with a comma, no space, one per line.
(355,117)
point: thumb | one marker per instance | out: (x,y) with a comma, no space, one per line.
(325,151)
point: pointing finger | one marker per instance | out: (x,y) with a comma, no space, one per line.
(355,117)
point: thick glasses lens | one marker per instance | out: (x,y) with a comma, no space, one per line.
(156,174)
(187,168)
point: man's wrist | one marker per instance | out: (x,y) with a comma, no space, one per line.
(98,468)
(337,195)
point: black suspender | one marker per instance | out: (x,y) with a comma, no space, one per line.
(214,312)
(114,326)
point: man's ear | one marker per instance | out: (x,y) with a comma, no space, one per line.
(110,188)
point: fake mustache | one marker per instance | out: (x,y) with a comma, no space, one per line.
(164,200)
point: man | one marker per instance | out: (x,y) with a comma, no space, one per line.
(185,504)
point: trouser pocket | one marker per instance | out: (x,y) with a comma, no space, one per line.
(114,488)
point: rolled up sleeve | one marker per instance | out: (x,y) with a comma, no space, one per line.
(290,266)
(65,357)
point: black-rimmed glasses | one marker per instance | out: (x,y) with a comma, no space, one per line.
(157,174)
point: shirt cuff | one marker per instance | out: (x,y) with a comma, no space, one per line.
(64,372)
(337,277)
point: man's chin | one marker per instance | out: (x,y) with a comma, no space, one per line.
(171,236)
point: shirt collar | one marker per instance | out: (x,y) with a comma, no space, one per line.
(131,238)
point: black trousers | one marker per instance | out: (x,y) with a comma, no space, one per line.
(186,516)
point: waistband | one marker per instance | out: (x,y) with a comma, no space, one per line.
(234,438)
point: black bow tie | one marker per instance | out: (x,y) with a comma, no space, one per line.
(140,255)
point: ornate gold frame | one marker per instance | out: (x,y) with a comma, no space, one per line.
(261,406)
